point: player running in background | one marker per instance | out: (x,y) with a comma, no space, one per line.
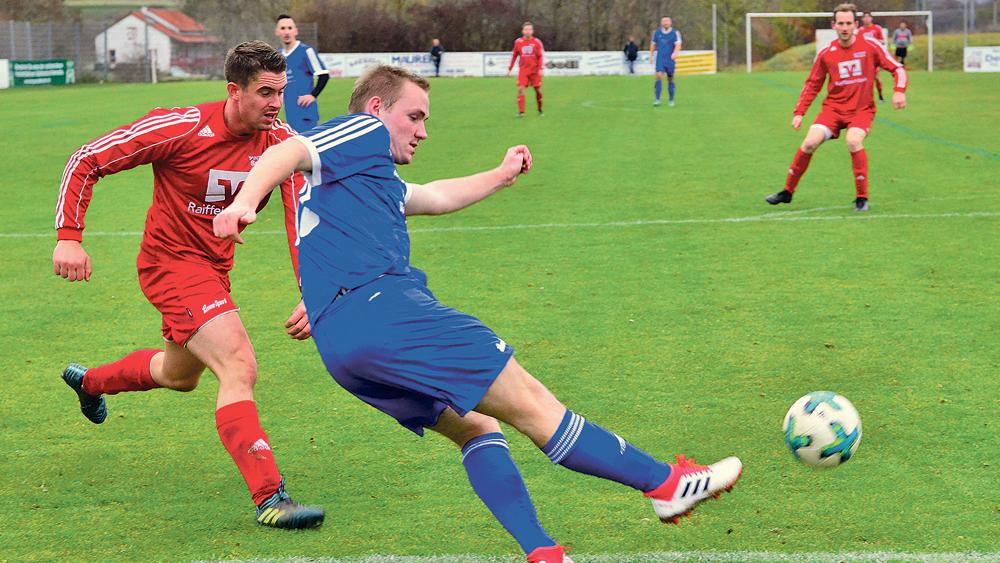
(301,108)
(663,50)
(872,31)
(529,70)
(385,338)
(851,62)
(200,156)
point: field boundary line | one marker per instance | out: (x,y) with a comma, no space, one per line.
(769,217)
(670,556)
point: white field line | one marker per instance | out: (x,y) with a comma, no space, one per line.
(766,218)
(658,557)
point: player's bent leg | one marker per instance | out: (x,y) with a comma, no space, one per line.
(222,344)
(496,479)
(520,400)
(815,136)
(131,373)
(176,368)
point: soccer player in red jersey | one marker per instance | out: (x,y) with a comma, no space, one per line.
(529,71)
(200,156)
(872,31)
(851,63)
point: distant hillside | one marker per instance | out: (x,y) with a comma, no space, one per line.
(947,53)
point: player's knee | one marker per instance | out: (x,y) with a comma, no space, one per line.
(855,143)
(809,146)
(181,379)
(240,369)
(186,385)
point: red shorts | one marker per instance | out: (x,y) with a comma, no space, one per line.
(834,121)
(188,295)
(534,80)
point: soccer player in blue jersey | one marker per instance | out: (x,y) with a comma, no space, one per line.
(301,108)
(385,337)
(663,51)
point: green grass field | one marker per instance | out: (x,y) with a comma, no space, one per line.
(640,275)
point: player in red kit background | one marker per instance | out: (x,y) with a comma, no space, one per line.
(529,70)
(851,63)
(872,31)
(200,156)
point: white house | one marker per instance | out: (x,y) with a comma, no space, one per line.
(178,44)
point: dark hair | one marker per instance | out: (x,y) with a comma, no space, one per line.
(384,81)
(846,7)
(247,60)
(283,17)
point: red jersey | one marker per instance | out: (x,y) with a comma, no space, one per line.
(872,32)
(852,73)
(198,166)
(531,53)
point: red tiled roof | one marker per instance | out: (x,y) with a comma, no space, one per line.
(176,25)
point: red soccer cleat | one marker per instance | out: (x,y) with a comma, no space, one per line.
(690,483)
(550,554)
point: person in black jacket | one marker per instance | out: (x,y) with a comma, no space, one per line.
(436,51)
(631,54)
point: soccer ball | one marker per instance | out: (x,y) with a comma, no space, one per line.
(823,429)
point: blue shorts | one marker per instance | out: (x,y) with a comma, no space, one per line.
(391,344)
(667,66)
(302,119)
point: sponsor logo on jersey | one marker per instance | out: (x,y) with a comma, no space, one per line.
(849,69)
(206,209)
(222,184)
(253,159)
(206,131)
(501,345)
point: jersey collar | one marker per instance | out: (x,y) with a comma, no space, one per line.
(294,47)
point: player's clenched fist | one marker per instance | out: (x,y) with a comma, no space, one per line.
(227,224)
(516,161)
(71,261)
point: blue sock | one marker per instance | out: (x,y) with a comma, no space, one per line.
(671,88)
(587,448)
(497,481)
(658,88)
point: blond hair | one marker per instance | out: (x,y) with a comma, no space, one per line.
(384,81)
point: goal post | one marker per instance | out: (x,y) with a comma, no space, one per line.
(925,13)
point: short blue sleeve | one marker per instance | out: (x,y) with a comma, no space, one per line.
(348,145)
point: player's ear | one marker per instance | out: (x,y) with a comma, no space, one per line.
(233,89)
(374,106)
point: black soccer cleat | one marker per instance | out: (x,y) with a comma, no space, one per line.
(784,196)
(92,407)
(861,204)
(280,511)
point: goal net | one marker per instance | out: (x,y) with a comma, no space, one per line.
(820,22)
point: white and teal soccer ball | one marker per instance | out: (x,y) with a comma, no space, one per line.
(823,429)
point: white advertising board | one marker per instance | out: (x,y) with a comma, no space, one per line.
(982,59)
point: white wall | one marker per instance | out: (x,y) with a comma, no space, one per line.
(4,74)
(127,38)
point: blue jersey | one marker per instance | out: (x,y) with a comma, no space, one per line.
(666,42)
(302,65)
(351,217)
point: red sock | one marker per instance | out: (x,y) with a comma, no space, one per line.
(538,100)
(520,103)
(130,373)
(859,162)
(239,428)
(798,168)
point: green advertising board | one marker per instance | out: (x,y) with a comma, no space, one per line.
(42,73)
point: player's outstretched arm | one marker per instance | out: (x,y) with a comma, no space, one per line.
(446,196)
(274,166)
